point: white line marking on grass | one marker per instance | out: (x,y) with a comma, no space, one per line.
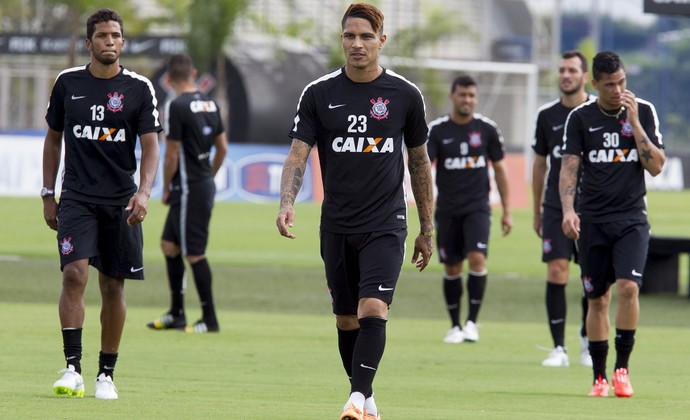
(10,258)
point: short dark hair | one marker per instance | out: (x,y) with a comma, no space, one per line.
(575,53)
(463,80)
(606,62)
(99,16)
(180,67)
(365,11)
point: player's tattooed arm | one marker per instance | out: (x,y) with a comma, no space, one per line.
(293,172)
(422,185)
(652,158)
(567,187)
(567,183)
(290,184)
(423,191)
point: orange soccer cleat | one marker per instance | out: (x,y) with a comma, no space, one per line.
(621,383)
(600,388)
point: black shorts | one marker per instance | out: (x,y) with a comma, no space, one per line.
(458,235)
(611,251)
(365,265)
(555,244)
(99,233)
(188,219)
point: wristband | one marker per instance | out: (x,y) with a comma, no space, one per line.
(426,233)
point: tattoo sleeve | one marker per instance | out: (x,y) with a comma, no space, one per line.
(567,185)
(293,172)
(422,185)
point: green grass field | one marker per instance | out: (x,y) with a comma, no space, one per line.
(276,355)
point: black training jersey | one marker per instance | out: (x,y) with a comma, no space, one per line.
(359,130)
(194,120)
(548,138)
(612,185)
(100,120)
(462,154)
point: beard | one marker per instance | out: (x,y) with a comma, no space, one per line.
(573,90)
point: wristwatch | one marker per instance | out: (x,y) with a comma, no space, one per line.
(47,192)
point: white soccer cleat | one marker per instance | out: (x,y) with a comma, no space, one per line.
(557,358)
(454,336)
(105,388)
(71,383)
(585,357)
(471,332)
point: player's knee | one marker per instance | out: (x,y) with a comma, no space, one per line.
(170,249)
(193,259)
(346,322)
(627,289)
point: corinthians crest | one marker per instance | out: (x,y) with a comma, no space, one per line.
(379,110)
(115,103)
(626,129)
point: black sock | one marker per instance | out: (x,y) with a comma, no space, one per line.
(71,345)
(599,350)
(106,364)
(203,279)
(346,346)
(452,291)
(175,267)
(555,312)
(476,284)
(585,308)
(367,353)
(625,340)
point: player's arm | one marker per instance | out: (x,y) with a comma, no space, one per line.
(150,151)
(221,144)
(539,168)
(290,183)
(423,191)
(652,157)
(567,188)
(52,148)
(501,177)
(171,161)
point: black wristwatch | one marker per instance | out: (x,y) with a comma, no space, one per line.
(47,192)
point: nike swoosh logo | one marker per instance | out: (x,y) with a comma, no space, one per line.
(481,245)
(331,106)
(593,129)
(74,98)
(385,289)
(447,141)
(367,367)
(635,273)
(557,127)
(140,47)
(557,321)
(134,270)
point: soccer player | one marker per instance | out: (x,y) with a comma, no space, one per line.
(361,118)
(194,127)
(100,108)
(557,249)
(462,143)
(615,138)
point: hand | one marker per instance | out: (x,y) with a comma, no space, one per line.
(630,104)
(50,212)
(536,224)
(506,223)
(137,207)
(571,225)
(423,249)
(285,220)
(165,197)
